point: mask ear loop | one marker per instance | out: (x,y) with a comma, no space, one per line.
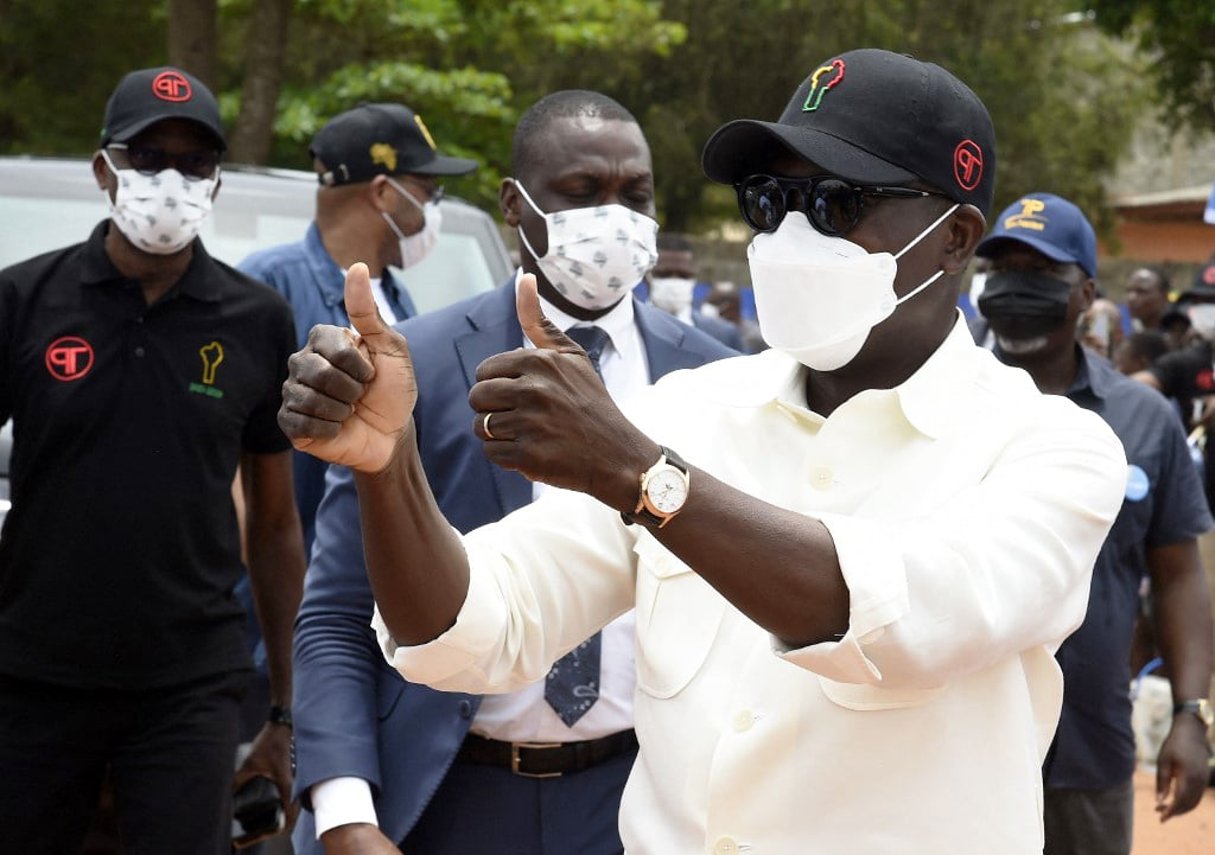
(915,241)
(536,208)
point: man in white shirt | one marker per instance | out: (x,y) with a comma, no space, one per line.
(382,763)
(848,596)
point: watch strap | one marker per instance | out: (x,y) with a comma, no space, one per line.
(281,715)
(1199,707)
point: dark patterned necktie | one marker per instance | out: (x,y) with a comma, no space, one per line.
(591,339)
(572,685)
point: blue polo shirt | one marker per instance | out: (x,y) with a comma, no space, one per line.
(313,284)
(1094,747)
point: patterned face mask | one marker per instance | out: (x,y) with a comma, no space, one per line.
(595,255)
(160,213)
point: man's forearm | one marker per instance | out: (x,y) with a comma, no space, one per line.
(1182,618)
(276,574)
(415,562)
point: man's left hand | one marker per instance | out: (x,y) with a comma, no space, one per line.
(1182,769)
(270,758)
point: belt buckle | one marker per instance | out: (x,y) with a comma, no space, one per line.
(515,748)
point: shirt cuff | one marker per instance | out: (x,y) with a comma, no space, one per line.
(471,640)
(342,801)
(876,576)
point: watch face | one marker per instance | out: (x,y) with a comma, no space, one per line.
(667,490)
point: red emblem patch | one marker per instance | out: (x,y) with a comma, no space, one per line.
(968,164)
(1205,380)
(171,86)
(69,358)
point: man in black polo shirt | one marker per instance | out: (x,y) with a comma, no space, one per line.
(1043,255)
(139,372)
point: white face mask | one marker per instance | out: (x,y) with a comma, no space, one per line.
(1202,319)
(162,213)
(595,255)
(672,294)
(819,297)
(416,246)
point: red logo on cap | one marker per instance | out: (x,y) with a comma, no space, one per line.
(171,86)
(968,164)
(69,358)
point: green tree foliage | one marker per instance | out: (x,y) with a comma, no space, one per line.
(1065,98)
(1179,36)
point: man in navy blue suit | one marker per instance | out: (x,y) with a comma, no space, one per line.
(383,763)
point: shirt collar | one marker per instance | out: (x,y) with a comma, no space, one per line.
(929,398)
(617,323)
(1093,375)
(197,282)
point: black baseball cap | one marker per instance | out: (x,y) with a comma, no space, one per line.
(145,97)
(872,117)
(380,139)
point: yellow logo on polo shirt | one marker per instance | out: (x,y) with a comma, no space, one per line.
(385,155)
(1027,217)
(212,355)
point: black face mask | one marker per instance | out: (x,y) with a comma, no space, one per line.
(1034,302)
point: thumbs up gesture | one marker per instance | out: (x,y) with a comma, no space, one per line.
(546,413)
(349,398)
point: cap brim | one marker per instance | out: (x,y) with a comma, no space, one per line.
(133,130)
(747,146)
(444,165)
(989,244)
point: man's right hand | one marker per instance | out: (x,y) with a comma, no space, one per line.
(358,838)
(349,399)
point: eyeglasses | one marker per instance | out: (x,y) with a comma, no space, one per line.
(833,205)
(149,160)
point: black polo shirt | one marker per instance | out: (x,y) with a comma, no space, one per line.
(120,553)
(1094,747)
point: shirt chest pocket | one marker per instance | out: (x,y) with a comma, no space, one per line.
(678,615)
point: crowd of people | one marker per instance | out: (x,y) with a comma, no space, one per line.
(593,562)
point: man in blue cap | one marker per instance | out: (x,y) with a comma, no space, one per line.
(1043,256)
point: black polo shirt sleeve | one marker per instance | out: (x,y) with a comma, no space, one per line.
(262,434)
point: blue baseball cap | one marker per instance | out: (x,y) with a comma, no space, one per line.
(1051,225)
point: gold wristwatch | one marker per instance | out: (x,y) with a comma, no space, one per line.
(664,490)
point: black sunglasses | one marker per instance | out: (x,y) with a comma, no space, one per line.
(149,160)
(833,205)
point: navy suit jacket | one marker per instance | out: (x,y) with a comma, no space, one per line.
(354,715)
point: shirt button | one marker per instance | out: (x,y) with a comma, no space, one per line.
(139,351)
(820,478)
(465,709)
(725,846)
(743,721)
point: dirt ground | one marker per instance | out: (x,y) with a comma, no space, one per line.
(1192,834)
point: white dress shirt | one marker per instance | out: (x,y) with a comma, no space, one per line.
(524,715)
(966,510)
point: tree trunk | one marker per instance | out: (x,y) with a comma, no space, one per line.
(265,45)
(194,38)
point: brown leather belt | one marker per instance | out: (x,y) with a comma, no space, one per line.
(546,759)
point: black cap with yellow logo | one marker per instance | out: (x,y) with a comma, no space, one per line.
(380,139)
